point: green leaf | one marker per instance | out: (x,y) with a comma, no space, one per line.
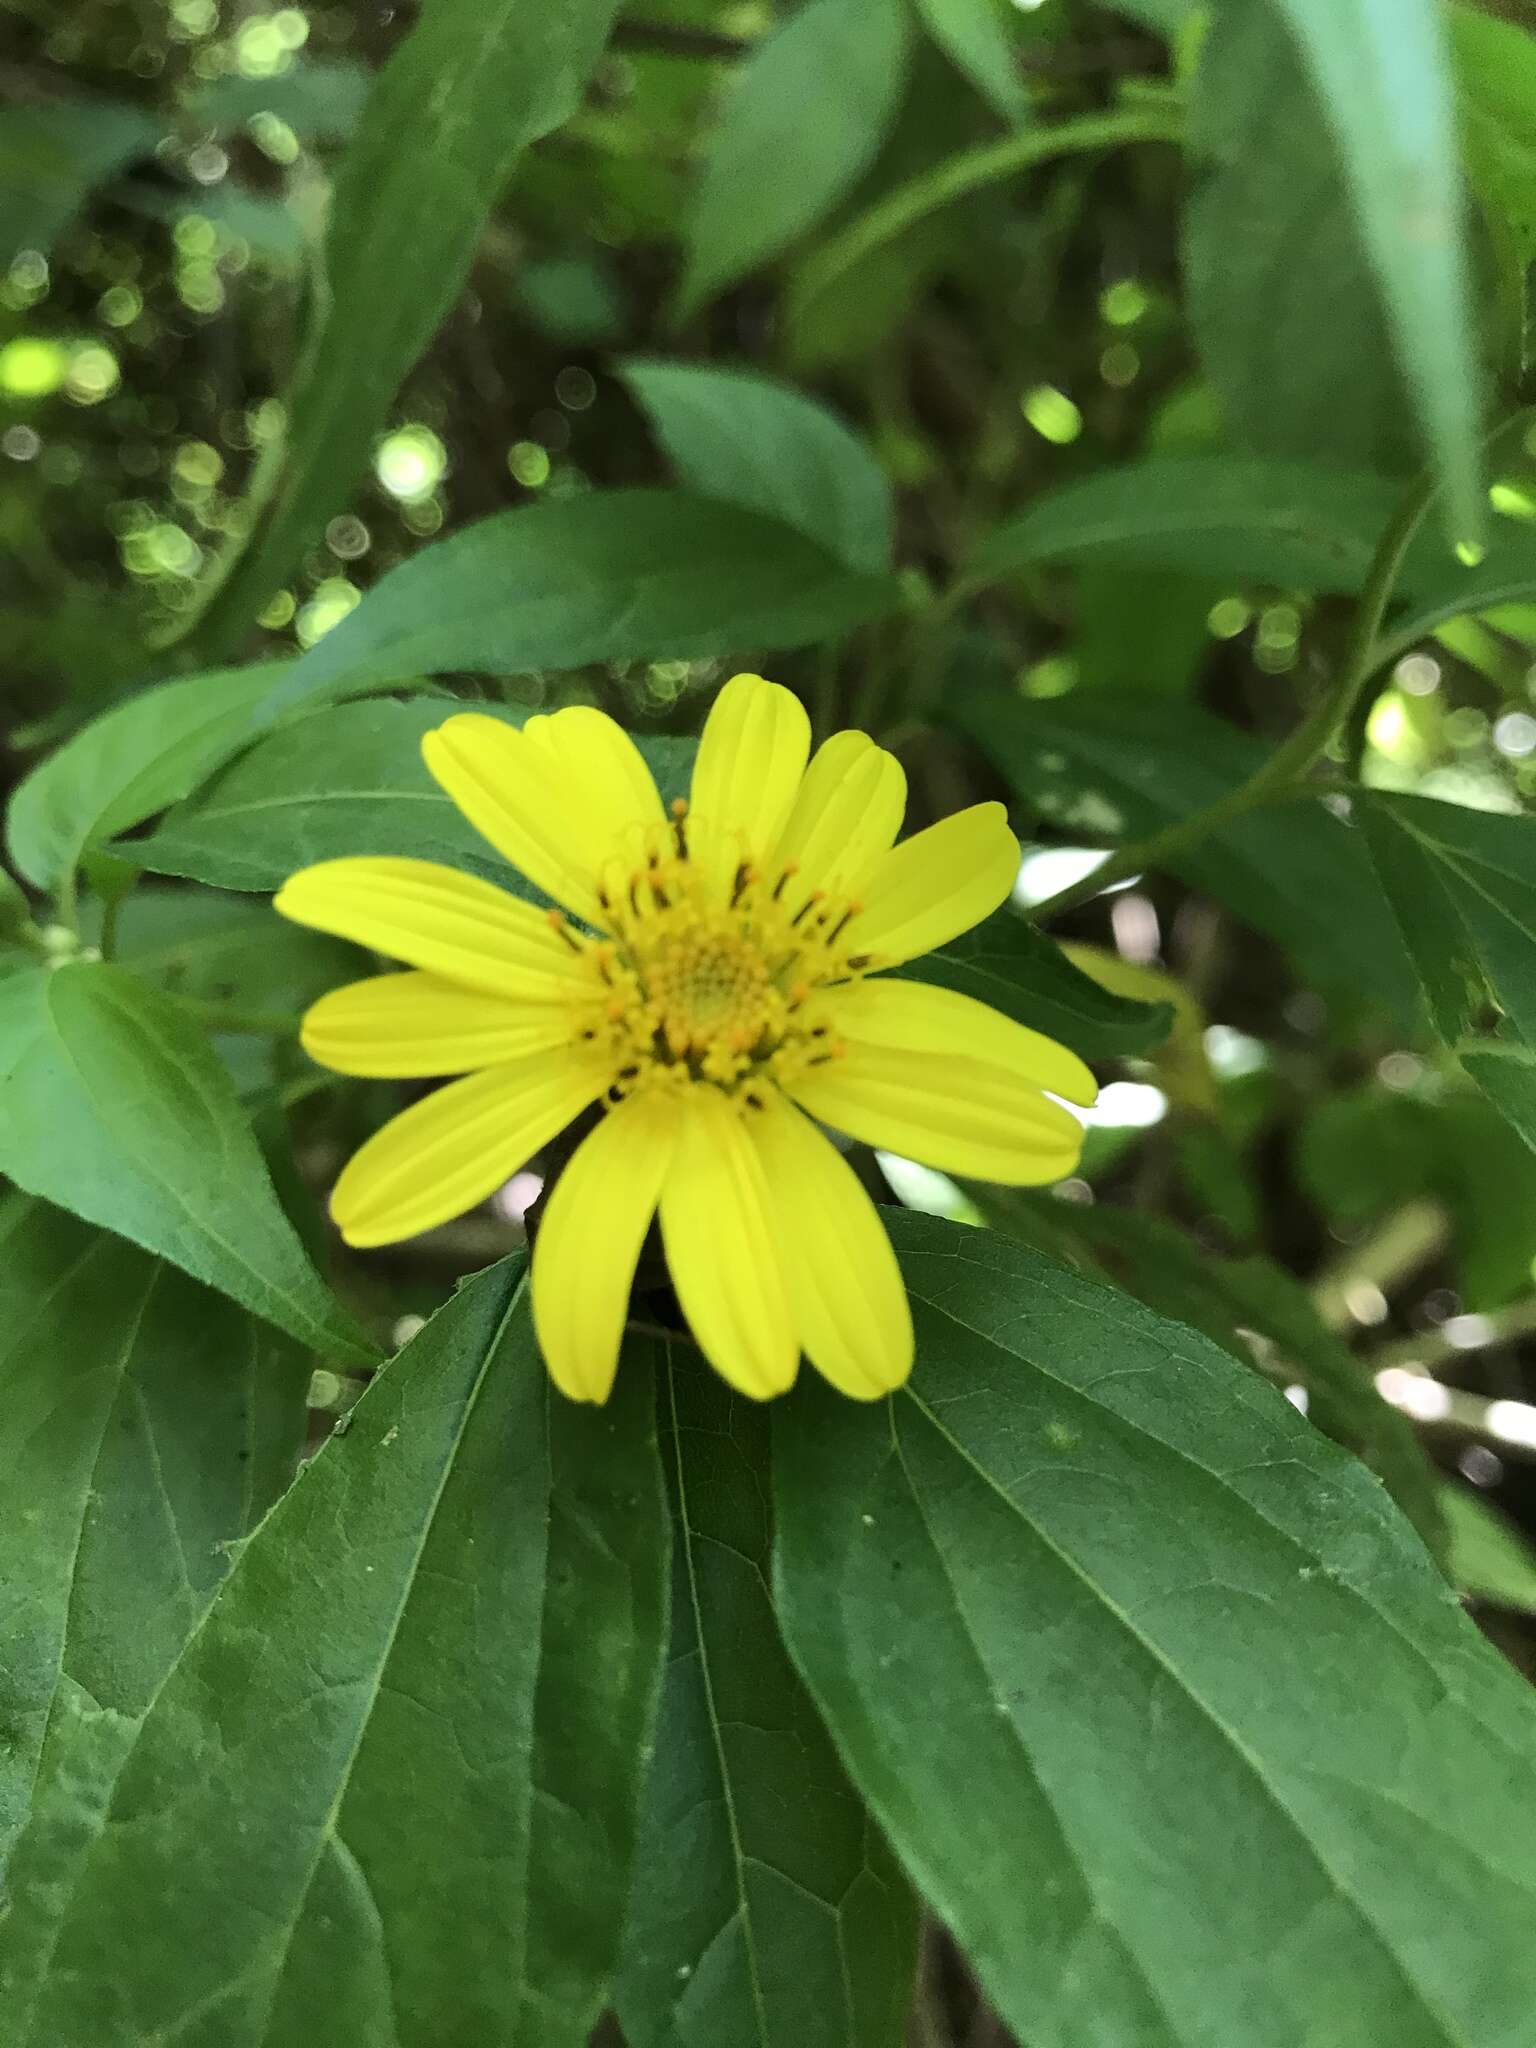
(752,441)
(766,1910)
(349,780)
(612,576)
(1463,885)
(1496,87)
(464,94)
(1042,1600)
(1505,575)
(320,99)
(113,1105)
(803,119)
(344,781)
(1381,72)
(1006,963)
(1299,353)
(972,34)
(53,157)
(1289,524)
(220,949)
(129,763)
(1491,1560)
(1167,17)
(1117,768)
(145,1426)
(1253,1308)
(393,1781)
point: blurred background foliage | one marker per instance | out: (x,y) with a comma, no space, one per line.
(1290,1163)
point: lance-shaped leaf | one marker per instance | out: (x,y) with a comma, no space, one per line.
(1042,1600)
(113,1105)
(801,123)
(613,576)
(766,1910)
(145,1426)
(753,441)
(348,780)
(463,95)
(393,1781)
(129,763)
(1382,75)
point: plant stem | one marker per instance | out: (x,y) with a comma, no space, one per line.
(236,1017)
(1284,773)
(970,171)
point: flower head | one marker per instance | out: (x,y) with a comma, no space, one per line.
(716,979)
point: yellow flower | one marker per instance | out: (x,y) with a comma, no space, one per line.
(718,998)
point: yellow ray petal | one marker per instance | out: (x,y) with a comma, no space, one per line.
(937,884)
(960,1115)
(935,1023)
(452,1149)
(435,918)
(845,1287)
(557,799)
(718,1231)
(410,1026)
(589,1239)
(846,815)
(751,759)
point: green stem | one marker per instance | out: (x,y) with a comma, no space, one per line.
(1284,773)
(236,1017)
(969,172)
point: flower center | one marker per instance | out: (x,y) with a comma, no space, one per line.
(704,982)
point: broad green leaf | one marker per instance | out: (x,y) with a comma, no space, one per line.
(114,1106)
(1491,1559)
(1042,1601)
(972,33)
(394,1780)
(1253,1308)
(1298,352)
(799,127)
(129,763)
(1006,963)
(612,576)
(1463,885)
(145,1427)
(345,781)
(1381,72)
(53,157)
(348,780)
(1290,524)
(766,1910)
(1107,768)
(464,94)
(752,441)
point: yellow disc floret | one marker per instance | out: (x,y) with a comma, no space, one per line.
(698,985)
